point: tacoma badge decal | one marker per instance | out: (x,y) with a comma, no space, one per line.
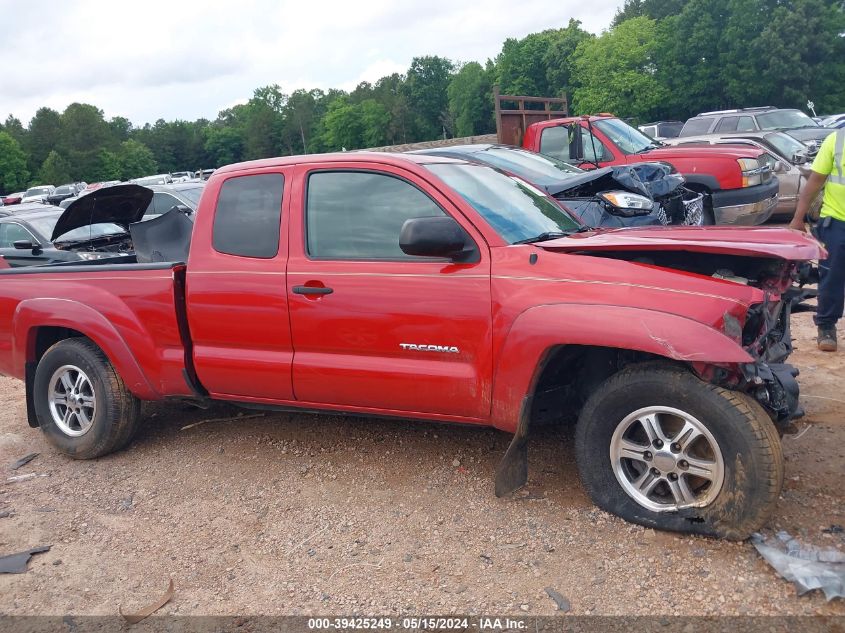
(445,349)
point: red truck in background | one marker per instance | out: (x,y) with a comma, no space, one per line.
(430,288)
(738,185)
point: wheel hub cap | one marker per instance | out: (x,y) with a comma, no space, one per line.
(72,401)
(666,460)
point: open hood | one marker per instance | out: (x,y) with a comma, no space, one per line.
(120,204)
(758,241)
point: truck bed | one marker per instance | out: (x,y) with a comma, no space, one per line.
(138,321)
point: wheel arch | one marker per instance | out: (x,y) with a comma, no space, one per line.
(40,323)
(543,336)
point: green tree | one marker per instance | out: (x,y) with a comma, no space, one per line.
(44,130)
(654,9)
(136,160)
(84,133)
(391,92)
(559,55)
(426,86)
(55,170)
(223,146)
(299,118)
(471,100)
(343,128)
(374,123)
(615,72)
(108,166)
(14,174)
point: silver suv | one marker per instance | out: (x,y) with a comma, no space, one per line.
(767,118)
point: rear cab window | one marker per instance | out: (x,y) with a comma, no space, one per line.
(247,219)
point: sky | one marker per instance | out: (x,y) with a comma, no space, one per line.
(186,59)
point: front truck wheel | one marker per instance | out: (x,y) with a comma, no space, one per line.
(659,447)
(84,409)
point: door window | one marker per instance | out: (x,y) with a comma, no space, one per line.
(727,124)
(248,216)
(554,142)
(745,124)
(11,233)
(359,215)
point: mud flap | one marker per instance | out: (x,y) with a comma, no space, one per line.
(512,471)
(29,382)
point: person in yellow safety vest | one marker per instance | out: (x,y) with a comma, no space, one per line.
(828,171)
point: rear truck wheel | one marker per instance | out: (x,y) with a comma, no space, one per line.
(83,407)
(659,447)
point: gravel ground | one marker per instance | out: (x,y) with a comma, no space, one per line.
(314,514)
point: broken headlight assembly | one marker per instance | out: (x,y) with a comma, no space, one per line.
(627,204)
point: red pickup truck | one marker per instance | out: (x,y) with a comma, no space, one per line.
(425,287)
(739,188)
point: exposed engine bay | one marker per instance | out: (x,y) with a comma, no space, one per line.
(765,333)
(669,201)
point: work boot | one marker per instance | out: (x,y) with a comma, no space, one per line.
(827,338)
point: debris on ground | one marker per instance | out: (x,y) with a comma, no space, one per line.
(23,461)
(806,566)
(16,563)
(560,600)
(134,618)
(16,478)
(833,529)
(5,514)
(229,419)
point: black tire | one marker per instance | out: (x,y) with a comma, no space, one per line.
(745,436)
(116,416)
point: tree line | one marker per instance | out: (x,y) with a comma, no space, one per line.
(659,59)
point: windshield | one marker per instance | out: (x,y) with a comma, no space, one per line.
(515,209)
(37,191)
(193,194)
(536,168)
(786,145)
(786,119)
(629,140)
(45,226)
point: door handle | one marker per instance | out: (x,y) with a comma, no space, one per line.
(312,290)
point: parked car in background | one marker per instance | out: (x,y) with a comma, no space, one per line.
(159,179)
(662,129)
(184,196)
(738,187)
(181,176)
(833,120)
(26,239)
(203,174)
(787,157)
(38,193)
(13,198)
(70,190)
(765,119)
(633,195)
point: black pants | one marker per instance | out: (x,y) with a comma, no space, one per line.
(831,272)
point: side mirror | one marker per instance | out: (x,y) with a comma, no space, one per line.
(799,158)
(780,167)
(26,245)
(434,237)
(576,146)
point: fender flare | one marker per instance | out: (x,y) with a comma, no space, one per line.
(536,332)
(31,314)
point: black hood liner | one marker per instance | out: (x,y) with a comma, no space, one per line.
(653,180)
(120,204)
